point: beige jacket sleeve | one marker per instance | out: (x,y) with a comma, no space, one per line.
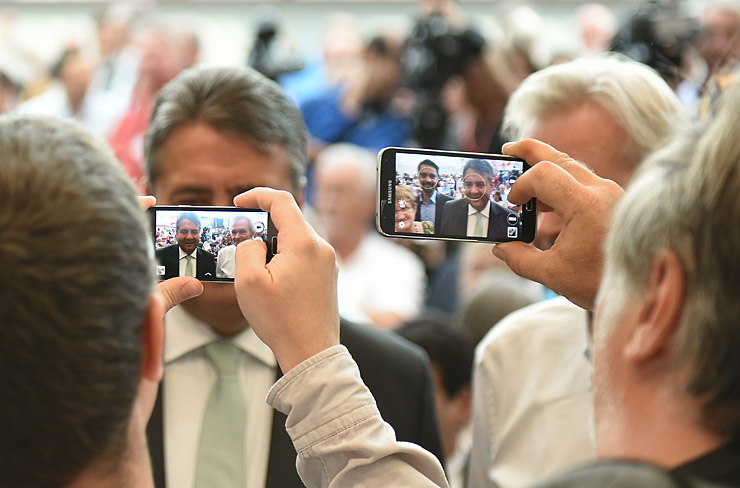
(338,432)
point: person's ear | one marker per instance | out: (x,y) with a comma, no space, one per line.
(152,340)
(660,310)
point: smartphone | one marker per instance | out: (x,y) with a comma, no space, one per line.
(201,241)
(449,195)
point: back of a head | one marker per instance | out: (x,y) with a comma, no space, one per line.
(449,349)
(639,99)
(237,100)
(497,293)
(686,198)
(73,293)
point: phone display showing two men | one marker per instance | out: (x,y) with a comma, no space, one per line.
(201,241)
(452,196)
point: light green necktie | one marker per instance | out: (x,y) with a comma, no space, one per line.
(220,462)
(189,265)
(478,228)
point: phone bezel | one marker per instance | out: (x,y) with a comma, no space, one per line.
(386,189)
(272,239)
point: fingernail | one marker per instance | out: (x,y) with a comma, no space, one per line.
(498,252)
(192,289)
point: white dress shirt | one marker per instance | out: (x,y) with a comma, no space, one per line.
(380,276)
(532,397)
(187,384)
(338,432)
(472,219)
(225,262)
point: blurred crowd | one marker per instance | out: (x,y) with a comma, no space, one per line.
(444,84)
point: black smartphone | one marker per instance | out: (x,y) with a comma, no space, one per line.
(201,241)
(449,195)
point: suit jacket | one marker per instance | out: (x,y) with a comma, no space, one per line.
(169,257)
(397,372)
(455,219)
(439,204)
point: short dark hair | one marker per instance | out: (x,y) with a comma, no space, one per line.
(72,303)
(449,348)
(479,166)
(238,100)
(191,216)
(428,162)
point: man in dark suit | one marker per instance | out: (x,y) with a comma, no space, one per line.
(431,201)
(213,134)
(476,215)
(185,258)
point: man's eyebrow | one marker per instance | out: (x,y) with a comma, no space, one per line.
(237,190)
(190,189)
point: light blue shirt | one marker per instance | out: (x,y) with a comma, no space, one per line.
(428,210)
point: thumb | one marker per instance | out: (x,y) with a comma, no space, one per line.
(251,257)
(177,290)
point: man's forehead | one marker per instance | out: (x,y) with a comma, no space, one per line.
(428,168)
(188,223)
(196,154)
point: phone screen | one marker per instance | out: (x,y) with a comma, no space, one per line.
(452,196)
(201,241)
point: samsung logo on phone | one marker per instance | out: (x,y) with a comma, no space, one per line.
(390,192)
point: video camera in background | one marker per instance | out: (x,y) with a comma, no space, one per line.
(659,35)
(265,57)
(435,51)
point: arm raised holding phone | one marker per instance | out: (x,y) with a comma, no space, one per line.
(291,304)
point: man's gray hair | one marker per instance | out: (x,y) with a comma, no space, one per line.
(74,289)
(344,154)
(191,216)
(242,218)
(686,198)
(237,100)
(639,99)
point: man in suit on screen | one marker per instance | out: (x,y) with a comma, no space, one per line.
(475,215)
(431,201)
(185,258)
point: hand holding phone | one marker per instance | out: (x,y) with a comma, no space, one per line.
(430,194)
(290,302)
(572,267)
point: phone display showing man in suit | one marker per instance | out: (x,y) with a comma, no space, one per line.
(475,214)
(471,196)
(187,242)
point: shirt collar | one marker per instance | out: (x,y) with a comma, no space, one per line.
(182,253)
(185,334)
(485,212)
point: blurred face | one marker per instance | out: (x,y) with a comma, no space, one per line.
(405,213)
(477,187)
(428,179)
(344,203)
(75,77)
(188,235)
(240,232)
(159,63)
(202,166)
(384,73)
(719,43)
